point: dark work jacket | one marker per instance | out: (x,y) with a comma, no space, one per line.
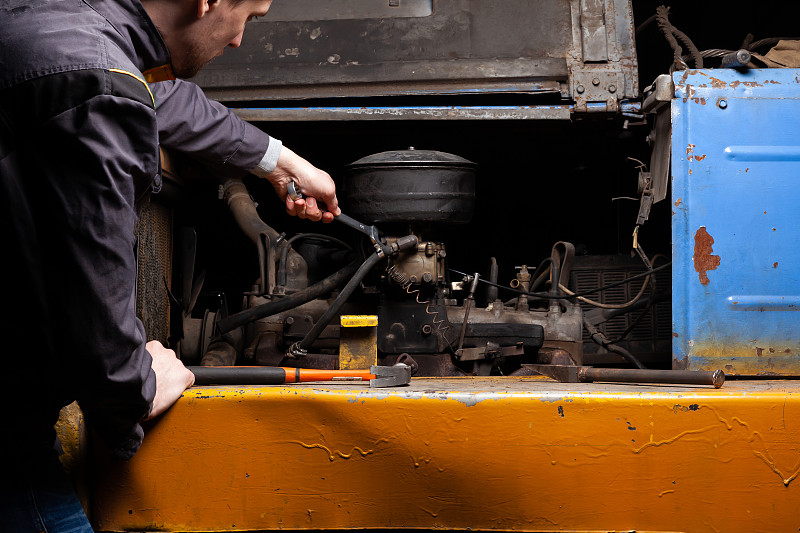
(79,137)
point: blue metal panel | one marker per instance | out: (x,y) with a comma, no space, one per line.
(735,228)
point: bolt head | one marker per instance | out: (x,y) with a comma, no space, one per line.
(581,89)
(612,88)
(595,81)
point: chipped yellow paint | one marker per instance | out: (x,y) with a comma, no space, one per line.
(484,453)
(358,321)
(358,342)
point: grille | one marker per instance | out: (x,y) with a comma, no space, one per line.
(154,264)
(652,335)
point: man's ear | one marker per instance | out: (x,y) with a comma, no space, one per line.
(204,6)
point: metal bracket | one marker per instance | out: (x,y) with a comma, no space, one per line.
(490,351)
(596,85)
(660,93)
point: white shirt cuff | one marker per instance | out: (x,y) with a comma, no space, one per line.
(270,159)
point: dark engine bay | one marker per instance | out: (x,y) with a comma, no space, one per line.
(458,267)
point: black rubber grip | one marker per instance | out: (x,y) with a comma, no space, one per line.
(232,375)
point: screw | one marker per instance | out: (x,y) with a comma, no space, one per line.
(427,277)
(580,89)
(290,320)
(426,329)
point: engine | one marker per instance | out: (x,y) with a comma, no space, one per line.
(434,318)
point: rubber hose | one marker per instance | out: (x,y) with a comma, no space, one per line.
(288,302)
(348,289)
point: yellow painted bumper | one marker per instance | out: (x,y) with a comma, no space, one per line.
(485,453)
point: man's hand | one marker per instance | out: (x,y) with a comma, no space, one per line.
(314,183)
(172,378)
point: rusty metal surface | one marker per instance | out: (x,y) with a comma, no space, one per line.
(465,454)
(344,48)
(736,279)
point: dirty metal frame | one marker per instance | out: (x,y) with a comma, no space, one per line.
(590,63)
(628,108)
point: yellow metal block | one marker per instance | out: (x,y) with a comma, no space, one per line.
(358,321)
(358,342)
(481,454)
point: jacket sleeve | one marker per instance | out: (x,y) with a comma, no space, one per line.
(190,123)
(107,158)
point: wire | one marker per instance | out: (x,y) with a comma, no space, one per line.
(609,306)
(670,32)
(548,296)
(635,299)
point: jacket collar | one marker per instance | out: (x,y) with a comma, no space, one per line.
(131,21)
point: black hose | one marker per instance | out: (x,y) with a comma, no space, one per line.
(348,289)
(598,338)
(288,302)
(626,354)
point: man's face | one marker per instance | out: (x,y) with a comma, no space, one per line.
(222,25)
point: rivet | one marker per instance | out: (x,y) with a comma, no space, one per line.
(612,88)
(722,103)
(595,81)
(580,89)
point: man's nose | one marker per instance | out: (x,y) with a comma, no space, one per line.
(236,42)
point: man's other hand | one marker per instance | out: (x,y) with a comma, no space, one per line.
(172,378)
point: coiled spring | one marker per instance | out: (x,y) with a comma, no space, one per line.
(402,279)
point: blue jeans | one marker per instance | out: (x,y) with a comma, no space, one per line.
(40,500)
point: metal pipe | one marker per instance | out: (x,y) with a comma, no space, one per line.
(491,290)
(264,237)
(635,375)
(244,211)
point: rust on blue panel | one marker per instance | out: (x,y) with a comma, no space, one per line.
(736,270)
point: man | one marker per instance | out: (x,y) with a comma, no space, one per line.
(79,135)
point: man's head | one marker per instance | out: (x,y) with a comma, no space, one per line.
(197,31)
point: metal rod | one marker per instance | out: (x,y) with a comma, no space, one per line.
(635,375)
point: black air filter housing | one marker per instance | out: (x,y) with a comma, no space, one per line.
(410,186)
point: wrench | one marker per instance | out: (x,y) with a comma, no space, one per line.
(369,231)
